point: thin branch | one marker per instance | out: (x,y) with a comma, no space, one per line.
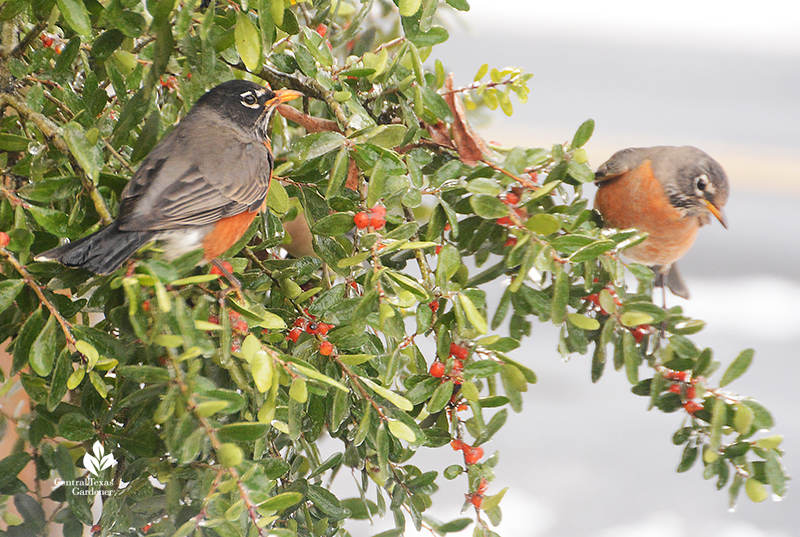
(30,282)
(53,133)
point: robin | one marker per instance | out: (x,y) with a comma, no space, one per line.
(200,187)
(668,192)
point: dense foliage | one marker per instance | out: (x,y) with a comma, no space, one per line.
(212,404)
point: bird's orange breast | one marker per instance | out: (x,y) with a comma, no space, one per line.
(225,234)
(636,199)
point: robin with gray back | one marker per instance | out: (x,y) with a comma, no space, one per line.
(200,187)
(667,192)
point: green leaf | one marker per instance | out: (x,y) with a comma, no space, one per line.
(743,418)
(409,7)
(242,432)
(338,173)
(543,224)
(490,502)
(43,350)
(9,289)
(144,374)
(327,502)
(87,155)
(755,490)
(248,41)
(280,502)
(396,399)
(317,144)
(737,367)
(454,526)
(473,315)
(11,466)
(592,251)
(13,142)
(401,431)
(488,207)
(333,225)
(560,297)
(776,475)
(262,370)
(75,427)
(634,318)
(583,134)
(583,322)
(631,357)
(74,12)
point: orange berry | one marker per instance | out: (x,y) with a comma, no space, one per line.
(476,500)
(511,241)
(473,455)
(437,369)
(378,210)
(504,221)
(457,444)
(511,198)
(675,388)
(692,406)
(322,30)
(216,270)
(361,220)
(377,222)
(294,334)
(4,239)
(326,348)
(458,351)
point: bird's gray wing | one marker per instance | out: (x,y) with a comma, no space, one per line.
(204,170)
(619,163)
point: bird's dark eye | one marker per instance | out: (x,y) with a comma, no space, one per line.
(701,182)
(248,99)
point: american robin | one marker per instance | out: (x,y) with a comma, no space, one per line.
(668,192)
(200,187)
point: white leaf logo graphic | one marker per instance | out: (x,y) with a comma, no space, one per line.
(99,461)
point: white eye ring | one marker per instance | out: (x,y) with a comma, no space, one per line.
(701,182)
(249,100)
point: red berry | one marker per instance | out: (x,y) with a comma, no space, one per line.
(322,328)
(378,210)
(322,30)
(312,328)
(483,486)
(462,407)
(434,306)
(96,528)
(692,406)
(300,321)
(504,221)
(639,332)
(437,369)
(457,444)
(4,239)
(377,222)
(216,270)
(691,392)
(326,348)
(534,176)
(476,500)
(213,319)
(146,306)
(240,325)
(294,334)
(473,455)
(457,368)
(361,220)
(511,198)
(675,388)
(511,241)
(447,227)
(458,351)
(593,298)
(438,249)
(147,527)
(59,47)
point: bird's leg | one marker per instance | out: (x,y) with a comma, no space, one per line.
(235,284)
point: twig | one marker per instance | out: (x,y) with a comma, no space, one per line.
(309,123)
(30,282)
(52,132)
(37,29)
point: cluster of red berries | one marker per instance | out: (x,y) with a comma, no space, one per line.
(459,355)
(301,324)
(375,218)
(4,239)
(471,454)
(50,40)
(638,332)
(170,83)
(684,385)
(476,498)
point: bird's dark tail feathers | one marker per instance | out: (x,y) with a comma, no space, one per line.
(102,252)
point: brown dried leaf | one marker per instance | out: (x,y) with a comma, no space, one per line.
(471,147)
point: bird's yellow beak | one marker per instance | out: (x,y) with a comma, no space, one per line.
(718,214)
(282,96)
